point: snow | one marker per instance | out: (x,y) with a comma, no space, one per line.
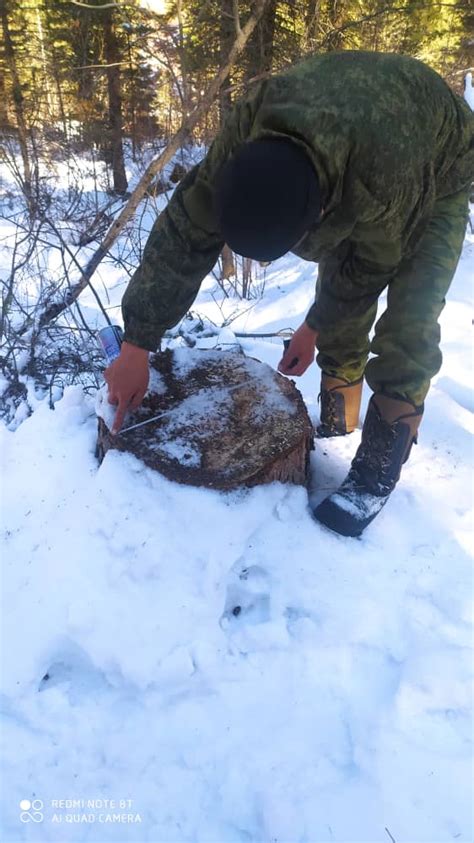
(180,450)
(357,507)
(333,705)
(469,90)
(211,404)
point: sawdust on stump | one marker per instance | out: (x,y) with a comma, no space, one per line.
(230,421)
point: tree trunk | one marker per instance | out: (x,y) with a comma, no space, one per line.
(248,424)
(246,277)
(311,24)
(335,37)
(44,64)
(260,48)
(228,263)
(132,98)
(18,100)
(226,36)
(62,111)
(185,88)
(112,57)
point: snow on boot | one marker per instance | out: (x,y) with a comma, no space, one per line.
(390,428)
(340,405)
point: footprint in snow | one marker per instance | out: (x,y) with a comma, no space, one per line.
(72,668)
(301,624)
(248,598)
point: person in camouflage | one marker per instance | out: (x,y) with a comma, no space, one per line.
(391,150)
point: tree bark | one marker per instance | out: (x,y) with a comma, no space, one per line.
(185,88)
(228,263)
(44,63)
(246,277)
(229,27)
(260,48)
(227,32)
(311,23)
(152,170)
(112,57)
(18,100)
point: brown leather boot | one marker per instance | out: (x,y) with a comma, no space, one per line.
(389,431)
(340,406)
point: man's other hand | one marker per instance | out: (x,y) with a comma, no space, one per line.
(300,353)
(127,378)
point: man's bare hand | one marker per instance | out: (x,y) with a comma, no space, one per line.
(127,378)
(300,353)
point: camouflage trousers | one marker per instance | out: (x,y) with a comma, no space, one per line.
(405,345)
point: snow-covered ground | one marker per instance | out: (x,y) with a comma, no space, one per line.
(335,707)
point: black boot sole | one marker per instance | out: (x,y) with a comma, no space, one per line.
(326,433)
(350,521)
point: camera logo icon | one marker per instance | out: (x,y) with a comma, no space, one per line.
(31,811)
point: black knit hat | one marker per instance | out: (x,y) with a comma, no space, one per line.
(267,196)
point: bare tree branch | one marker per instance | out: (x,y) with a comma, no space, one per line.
(235,8)
(387,10)
(95,66)
(248,82)
(105,6)
(65,248)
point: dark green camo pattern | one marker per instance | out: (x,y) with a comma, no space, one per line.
(406,341)
(389,141)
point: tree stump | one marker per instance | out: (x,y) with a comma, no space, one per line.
(227,420)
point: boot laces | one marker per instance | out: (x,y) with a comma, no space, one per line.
(373,461)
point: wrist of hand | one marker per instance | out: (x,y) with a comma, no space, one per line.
(130,350)
(309,329)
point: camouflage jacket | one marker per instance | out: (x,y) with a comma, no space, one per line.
(387,137)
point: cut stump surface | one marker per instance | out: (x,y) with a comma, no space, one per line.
(229,421)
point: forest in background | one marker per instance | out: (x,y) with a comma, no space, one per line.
(101,105)
(92,74)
